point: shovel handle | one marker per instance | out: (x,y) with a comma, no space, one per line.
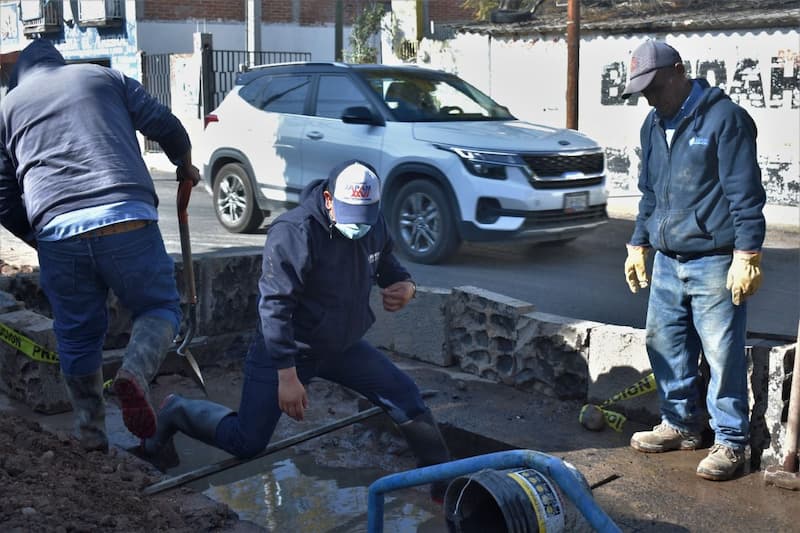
(184,193)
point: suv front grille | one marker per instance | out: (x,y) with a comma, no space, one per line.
(549,169)
(557,217)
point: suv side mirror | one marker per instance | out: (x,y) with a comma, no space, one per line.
(361,115)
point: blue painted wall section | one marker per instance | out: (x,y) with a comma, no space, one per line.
(116,45)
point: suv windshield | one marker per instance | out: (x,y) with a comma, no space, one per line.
(415,97)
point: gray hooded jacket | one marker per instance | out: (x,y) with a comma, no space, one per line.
(68,139)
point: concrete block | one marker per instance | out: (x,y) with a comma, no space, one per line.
(618,360)
(781,361)
(8,303)
(37,384)
(758,370)
(227,291)
(482,332)
(551,355)
(24,287)
(417,331)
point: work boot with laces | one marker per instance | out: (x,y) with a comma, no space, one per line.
(664,438)
(721,463)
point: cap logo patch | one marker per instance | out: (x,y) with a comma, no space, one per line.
(358,191)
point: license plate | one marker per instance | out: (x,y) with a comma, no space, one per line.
(576,201)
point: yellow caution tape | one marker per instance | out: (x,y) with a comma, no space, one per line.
(616,420)
(25,345)
(643,386)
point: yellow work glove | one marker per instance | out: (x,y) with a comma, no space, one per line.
(635,269)
(744,275)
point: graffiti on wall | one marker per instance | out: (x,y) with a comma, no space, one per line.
(744,84)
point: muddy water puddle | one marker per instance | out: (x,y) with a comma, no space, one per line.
(291,491)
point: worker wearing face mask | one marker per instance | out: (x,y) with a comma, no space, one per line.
(320,262)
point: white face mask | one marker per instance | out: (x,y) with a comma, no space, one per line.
(353,231)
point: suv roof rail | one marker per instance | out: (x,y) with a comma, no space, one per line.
(246,68)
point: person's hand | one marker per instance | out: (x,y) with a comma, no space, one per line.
(635,268)
(397,295)
(188,172)
(744,275)
(292,398)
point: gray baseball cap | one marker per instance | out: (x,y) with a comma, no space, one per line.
(646,59)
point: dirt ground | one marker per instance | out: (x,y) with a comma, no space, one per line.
(47,483)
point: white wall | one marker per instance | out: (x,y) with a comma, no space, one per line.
(176,37)
(759,70)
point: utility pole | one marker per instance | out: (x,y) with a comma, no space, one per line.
(573,61)
(338,40)
(253,29)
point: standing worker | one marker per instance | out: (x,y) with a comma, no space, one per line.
(68,143)
(320,262)
(701,210)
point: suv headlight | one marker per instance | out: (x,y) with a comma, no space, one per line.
(491,165)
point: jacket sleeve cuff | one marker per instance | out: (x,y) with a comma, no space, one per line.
(286,362)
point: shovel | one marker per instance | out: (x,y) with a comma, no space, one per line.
(184,193)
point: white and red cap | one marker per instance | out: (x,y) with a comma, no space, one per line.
(356,191)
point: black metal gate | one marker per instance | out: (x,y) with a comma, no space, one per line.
(227,65)
(156,79)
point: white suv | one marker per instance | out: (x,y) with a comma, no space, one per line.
(455,164)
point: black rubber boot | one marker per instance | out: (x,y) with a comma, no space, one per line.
(195,418)
(428,445)
(86,396)
(150,338)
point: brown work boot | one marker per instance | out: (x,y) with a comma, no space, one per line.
(721,463)
(664,438)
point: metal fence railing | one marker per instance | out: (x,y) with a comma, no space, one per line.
(227,65)
(156,79)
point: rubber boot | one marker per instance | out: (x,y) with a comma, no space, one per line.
(86,396)
(195,418)
(428,445)
(150,339)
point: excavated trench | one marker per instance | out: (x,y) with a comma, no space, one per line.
(322,483)
(318,485)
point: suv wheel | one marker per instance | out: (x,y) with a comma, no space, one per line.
(234,200)
(422,223)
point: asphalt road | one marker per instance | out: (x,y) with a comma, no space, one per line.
(582,279)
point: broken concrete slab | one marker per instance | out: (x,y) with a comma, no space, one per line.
(552,354)
(8,303)
(618,360)
(781,361)
(418,330)
(36,383)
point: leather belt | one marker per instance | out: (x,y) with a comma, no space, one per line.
(682,258)
(111,229)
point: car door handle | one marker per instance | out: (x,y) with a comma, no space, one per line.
(314,135)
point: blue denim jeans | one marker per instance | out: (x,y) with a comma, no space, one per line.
(362,368)
(690,311)
(76,275)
